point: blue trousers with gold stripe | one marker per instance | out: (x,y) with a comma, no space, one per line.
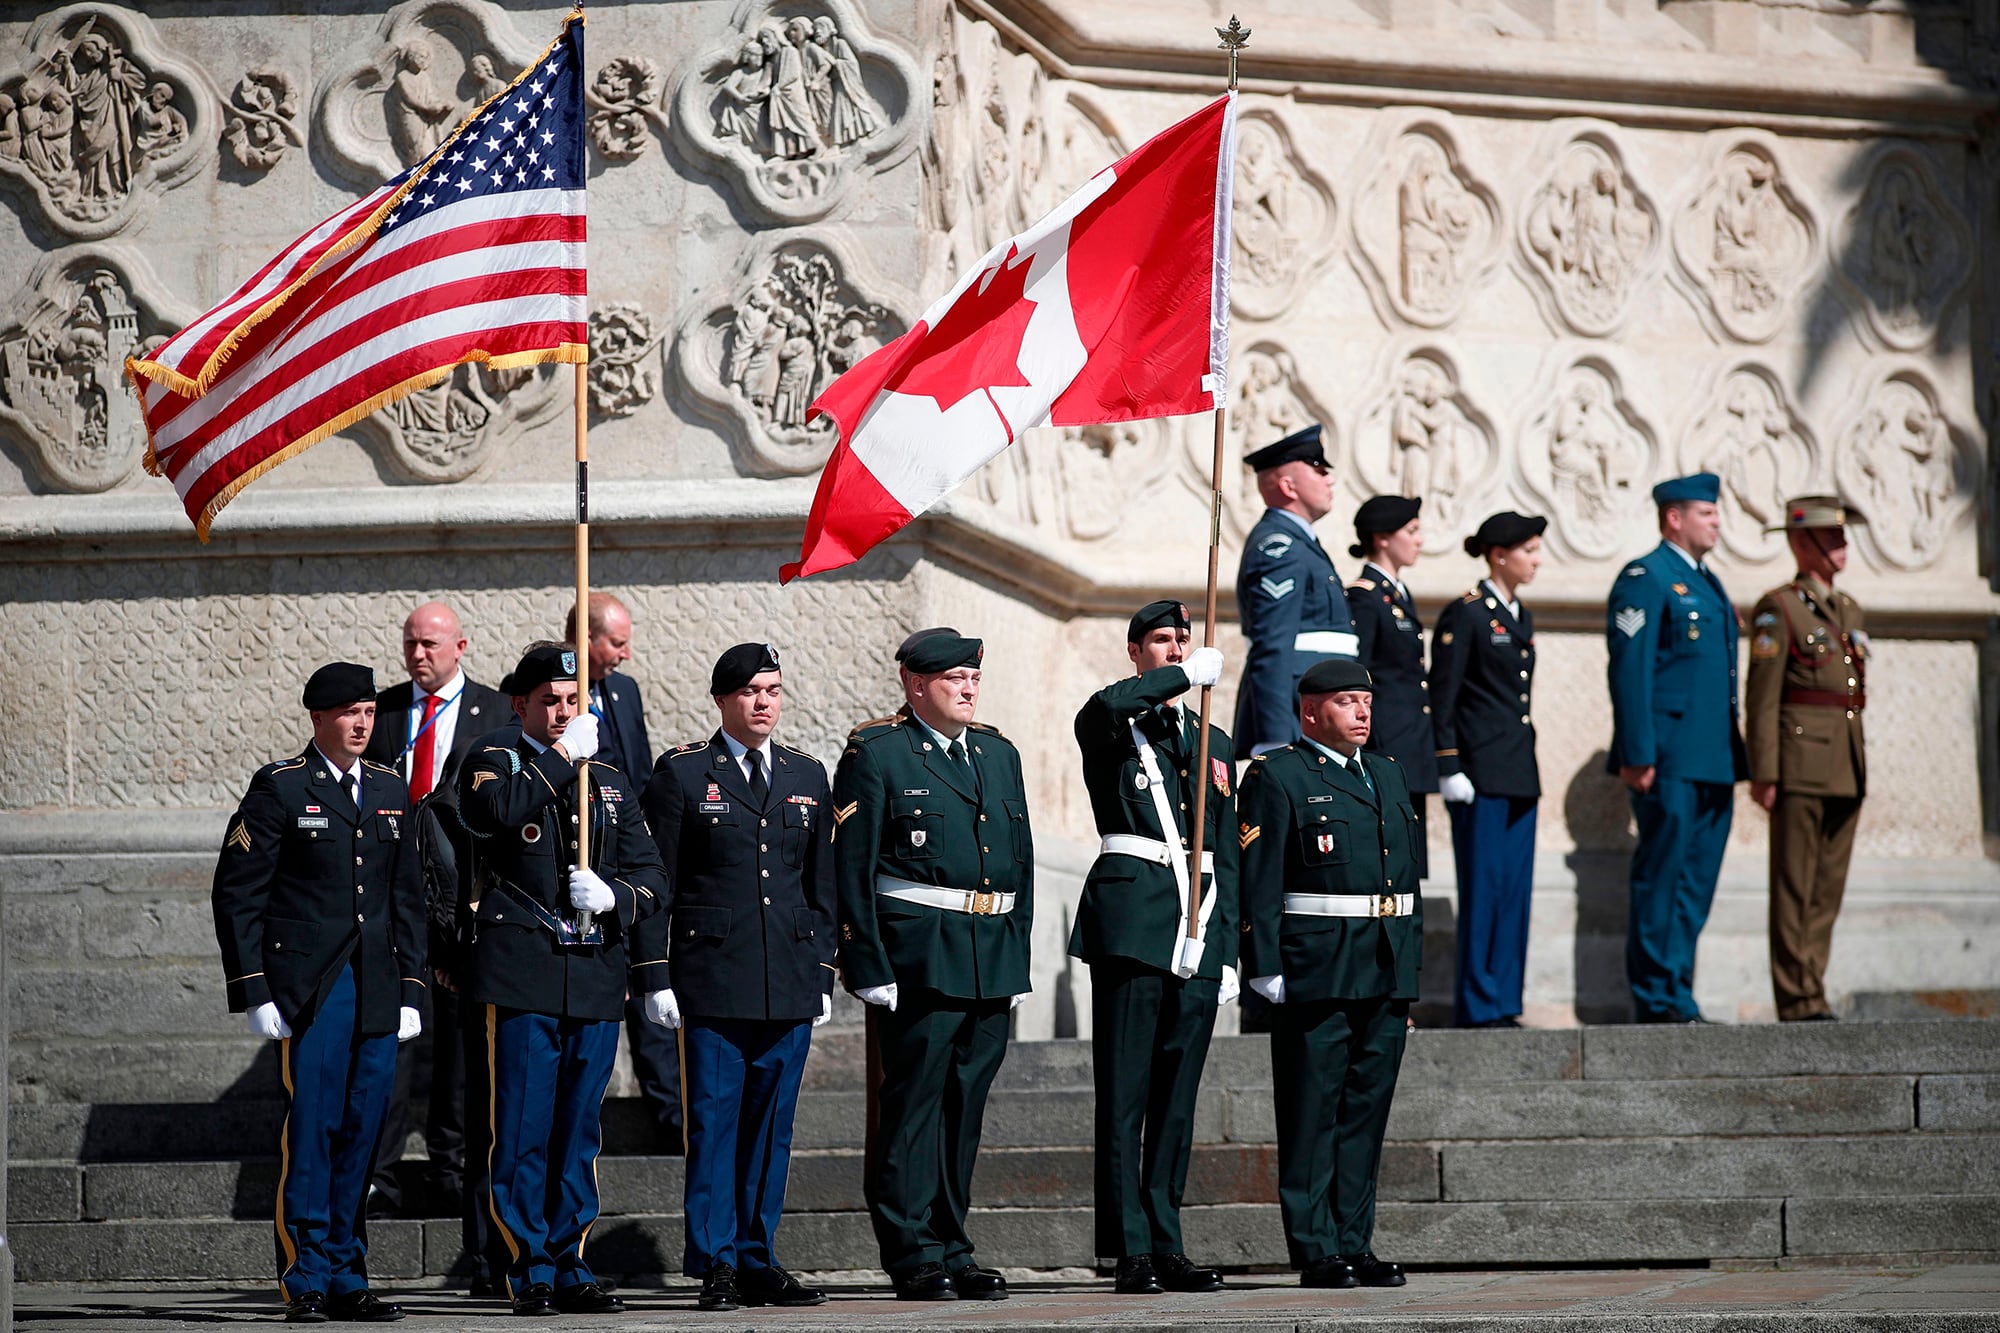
(547,1093)
(743,1091)
(337,1084)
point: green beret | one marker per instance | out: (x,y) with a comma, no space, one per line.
(1156,615)
(1332,674)
(942,652)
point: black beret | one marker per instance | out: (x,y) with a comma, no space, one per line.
(539,666)
(737,666)
(1156,615)
(1335,673)
(1505,529)
(1381,513)
(338,684)
(903,648)
(1299,447)
(942,651)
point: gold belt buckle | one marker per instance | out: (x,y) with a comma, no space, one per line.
(982,904)
(1385,905)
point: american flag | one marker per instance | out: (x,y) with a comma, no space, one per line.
(475,254)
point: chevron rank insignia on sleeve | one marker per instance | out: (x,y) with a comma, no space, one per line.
(843,813)
(1277,589)
(1247,834)
(482,777)
(1630,621)
(239,837)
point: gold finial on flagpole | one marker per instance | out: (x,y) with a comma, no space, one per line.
(1234,38)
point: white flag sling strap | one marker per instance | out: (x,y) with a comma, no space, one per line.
(1187,951)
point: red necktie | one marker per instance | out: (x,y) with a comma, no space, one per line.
(423,759)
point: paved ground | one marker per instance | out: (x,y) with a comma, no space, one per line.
(1955,1299)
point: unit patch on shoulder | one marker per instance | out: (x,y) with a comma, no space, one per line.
(1634,571)
(1766,618)
(1763,648)
(1275,545)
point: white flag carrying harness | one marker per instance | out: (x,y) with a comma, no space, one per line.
(1187,952)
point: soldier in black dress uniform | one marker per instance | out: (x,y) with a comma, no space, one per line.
(745,827)
(1388,538)
(1482,672)
(319,911)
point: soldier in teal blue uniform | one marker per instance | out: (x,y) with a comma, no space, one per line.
(1676,741)
(1293,606)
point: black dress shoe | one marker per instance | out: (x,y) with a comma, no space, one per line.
(486,1289)
(1508,1022)
(927,1282)
(362,1307)
(1374,1272)
(308,1307)
(1134,1276)
(1332,1271)
(979,1284)
(587,1298)
(1812,1018)
(774,1286)
(536,1300)
(1178,1274)
(718,1289)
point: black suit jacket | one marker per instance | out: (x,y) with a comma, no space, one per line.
(481,709)
(750,898)
(306,882)
(1482,673)
(621,737)
(1392,648)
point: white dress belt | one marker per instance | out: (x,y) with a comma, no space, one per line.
(1339,642)
(1148,849)
(1343,904)
(948,900)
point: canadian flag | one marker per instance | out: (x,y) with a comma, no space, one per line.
(1114,307)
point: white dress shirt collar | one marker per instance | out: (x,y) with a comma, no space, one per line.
(1344,761)
(341,775)
(1513,605)
(737,749)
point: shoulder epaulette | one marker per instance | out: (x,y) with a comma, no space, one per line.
(1471,595)
(988,728)
(690,747)
(797,753)
(381,768)
(860,727)
(286,765)
(1364,583)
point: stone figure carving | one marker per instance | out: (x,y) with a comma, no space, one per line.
(1900,464)
(62,369)
(421,111)
(1422,429)
(1435,216)
(623,97)
(1282,218)
(1425,227)
(1082,480)
(622,341)
(1268,400)
(1422,437)
(1590,236)
(486,83)
(263,119)
(1749,436)
(795,104)
(1903,249)
(446,431)
(88,117)
(1590,456)
(1746,242)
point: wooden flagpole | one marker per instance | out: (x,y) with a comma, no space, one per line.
(1234,38)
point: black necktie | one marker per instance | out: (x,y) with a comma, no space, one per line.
(352,786)
(760,786)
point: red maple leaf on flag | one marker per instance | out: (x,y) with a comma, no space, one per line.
(977,345)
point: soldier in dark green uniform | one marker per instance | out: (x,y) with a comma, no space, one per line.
(1333,936)
(1154,989)
(1808,766)
(934,863)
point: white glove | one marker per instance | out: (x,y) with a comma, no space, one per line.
(1456,789)
(409,1024)
(579,738)
(663,1009)
(1203,666)
(588,892)
(882,995)
(825,1011)
(1271,988)
(1231,985)
(268,1023)
(1017,1001)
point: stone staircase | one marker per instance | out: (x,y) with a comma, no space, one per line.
(1875,1142)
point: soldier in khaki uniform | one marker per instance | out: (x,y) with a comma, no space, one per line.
(1808,686)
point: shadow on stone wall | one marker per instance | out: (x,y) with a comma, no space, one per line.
(1599,818)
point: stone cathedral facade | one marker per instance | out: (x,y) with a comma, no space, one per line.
(1529,254)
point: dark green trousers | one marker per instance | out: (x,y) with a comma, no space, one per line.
(1333,1075)
(939,1054)
(1149,1040)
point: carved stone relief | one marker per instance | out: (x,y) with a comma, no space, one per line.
(393,99)
(1426,229)
(1906,467)
(1083,480)
(263,119)
(622,343)
(448,431)
(1745,242)
(624,107)
(95,116)
(1282,219)
(1423,437)
(1590,237)
(1268,400)
(1590,458)
(1903,250)
(799,100)
(797,318)
(62,363)
(1748,435)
